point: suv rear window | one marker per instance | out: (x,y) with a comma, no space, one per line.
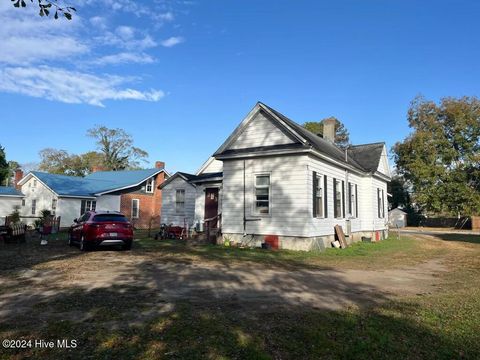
(110,217)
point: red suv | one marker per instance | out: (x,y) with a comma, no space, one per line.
(99,228)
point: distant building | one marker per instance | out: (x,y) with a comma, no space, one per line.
(397,218)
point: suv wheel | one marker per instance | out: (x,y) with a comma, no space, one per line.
(127,246)
(70,239)
(83,244)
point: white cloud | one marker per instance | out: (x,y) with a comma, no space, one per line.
(70,86)
(167,16)
(99,22)
(125,32)
(124,58)
(172,41)
(27,38)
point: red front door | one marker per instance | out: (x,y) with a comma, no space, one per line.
(211,205)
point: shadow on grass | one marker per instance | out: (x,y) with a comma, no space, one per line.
(167,311)
(473,239)
(19,256)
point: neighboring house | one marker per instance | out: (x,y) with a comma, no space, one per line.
(9,199)
(272,177)
(397,218)
(135,193)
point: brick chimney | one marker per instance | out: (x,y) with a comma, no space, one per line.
(18,177)
(329,129)
(159,165)
(96,168)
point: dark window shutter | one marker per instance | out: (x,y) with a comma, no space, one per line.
(82,207)
(383,204)
(343,199)
(325,191)
(314,193)
(335,198)
(356,201)
(349,198)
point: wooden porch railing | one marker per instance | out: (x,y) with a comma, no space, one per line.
(213,227)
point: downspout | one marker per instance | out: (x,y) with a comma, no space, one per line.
(244,203)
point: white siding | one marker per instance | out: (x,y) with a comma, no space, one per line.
(292,198)
(108,203)
(7,205)
(260,132)
(169,214)
(41,194)
(379,223)
(383,166)
(68,209)
(289,196)
(211,166)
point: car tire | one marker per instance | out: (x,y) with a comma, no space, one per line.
(83,244)
(127,246)
(70,240)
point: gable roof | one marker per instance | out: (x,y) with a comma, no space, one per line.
(93,185)
(367,155)
(304,140)
(10,191)
(194,179)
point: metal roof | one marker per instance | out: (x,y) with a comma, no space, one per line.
(10,191)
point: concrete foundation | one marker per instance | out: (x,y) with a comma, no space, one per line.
(315,243)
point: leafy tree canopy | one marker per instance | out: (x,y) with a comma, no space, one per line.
(342,137)
(4,169)
(48,7)
(116,146)
(441,157)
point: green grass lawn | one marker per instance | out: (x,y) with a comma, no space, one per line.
(441,325)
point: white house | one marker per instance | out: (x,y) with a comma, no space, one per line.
(271,177)
(131,192)
(9,199)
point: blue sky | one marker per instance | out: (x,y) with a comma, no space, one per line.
(180,75)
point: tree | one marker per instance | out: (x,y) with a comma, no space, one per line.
(61,162)
(4,169)
(46,7)
(117,148)
(342,137)
(441,158)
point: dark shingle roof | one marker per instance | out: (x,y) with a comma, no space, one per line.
(367,155)
(317,142)
(205,177)
(10,191)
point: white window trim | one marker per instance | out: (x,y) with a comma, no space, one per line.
(153,186)
(137,216)
(184,201)
(352,195)
(322,180)
(254,202)
(339,190)
(34,201)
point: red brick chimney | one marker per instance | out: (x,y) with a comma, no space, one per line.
(159,165)
(18,177)
(96,168)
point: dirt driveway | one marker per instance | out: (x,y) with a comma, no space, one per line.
(161,280)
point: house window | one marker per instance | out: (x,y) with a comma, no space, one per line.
(23,202)
(150,185)
(337,198)
(135,208)
(318,198)
(88,205)
(54,206)
(180,201)
(34,183)
(381,203)
(262,194)
(352,205)
(34,207)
